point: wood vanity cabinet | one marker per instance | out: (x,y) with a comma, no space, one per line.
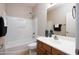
(44,49)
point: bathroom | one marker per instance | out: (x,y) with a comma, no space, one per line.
(26,24)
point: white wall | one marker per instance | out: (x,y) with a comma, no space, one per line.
(2,13)
(40,11)
(18,10)
(35,26)
(2,9)
(77,18)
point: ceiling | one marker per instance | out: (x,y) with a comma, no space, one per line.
(23,4)
(53,7)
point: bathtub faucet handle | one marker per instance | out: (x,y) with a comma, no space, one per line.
(1,46)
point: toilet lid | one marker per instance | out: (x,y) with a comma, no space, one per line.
(32,45)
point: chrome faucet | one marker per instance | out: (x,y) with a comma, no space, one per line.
(55,37)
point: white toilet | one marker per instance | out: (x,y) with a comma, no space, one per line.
(31,46)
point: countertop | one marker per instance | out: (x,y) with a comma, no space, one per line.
(64,44)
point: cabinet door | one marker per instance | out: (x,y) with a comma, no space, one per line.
(47,49)
(40,52)
(40,48)
(57,52)
(43,49)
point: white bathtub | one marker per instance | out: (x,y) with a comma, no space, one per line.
(18,47)
(17,50)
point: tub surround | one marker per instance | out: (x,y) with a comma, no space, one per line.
(63,44)
(17,50)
